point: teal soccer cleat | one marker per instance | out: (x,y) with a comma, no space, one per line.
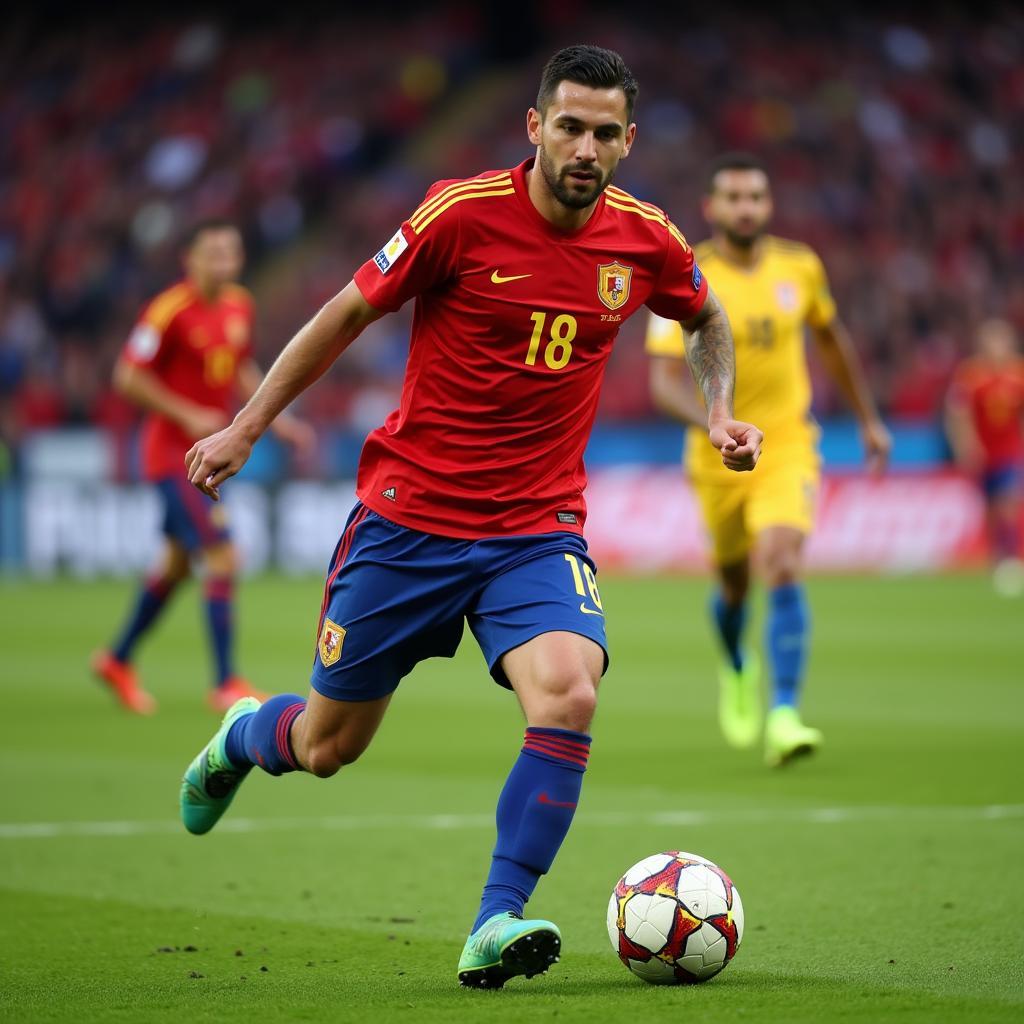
(505,946)
(211,780)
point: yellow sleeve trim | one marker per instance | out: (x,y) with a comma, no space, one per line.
(462,186)
(422,225)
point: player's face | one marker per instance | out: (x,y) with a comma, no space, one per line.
(996,341)
(215,257)
(580,139)
(739,205)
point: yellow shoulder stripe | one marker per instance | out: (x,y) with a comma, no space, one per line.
(460,186)
(166,306)
(629,208)
(424,221)
(626,197)
(678,236)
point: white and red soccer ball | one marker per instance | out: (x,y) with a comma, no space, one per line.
(675,918)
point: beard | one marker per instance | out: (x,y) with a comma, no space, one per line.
(743,240)
(573,196)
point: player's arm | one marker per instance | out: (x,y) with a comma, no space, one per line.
(303,360)
(145,389)
(960,429)
(712,358)
(844,366)
(287,427)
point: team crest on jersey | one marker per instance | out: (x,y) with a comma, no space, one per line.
(613,284)
(786,296)
(332,636)
(385,259)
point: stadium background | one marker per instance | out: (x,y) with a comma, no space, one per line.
(895,146)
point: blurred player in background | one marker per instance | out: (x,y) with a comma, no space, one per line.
(985,422)
(186,363)
(771,289)
(471,500)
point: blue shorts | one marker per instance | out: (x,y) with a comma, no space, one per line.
(190,517)
(995,483)
(395,597)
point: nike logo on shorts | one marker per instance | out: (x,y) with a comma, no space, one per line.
(496,278)
(589,611)
(545,799)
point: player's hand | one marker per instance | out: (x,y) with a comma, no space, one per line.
(201,421)
(877,446)
(738,442)
(212,460)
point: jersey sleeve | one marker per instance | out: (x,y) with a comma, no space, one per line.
(422,254)
(664,337)
(152,335)
(822,309)
(680,290)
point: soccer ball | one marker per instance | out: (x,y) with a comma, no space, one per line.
(675,919)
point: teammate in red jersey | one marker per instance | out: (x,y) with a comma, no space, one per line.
(985,420)
(471,501)
(186,361)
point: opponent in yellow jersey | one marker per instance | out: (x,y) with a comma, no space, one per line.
(774,291)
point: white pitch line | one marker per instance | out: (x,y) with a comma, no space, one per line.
(449,822)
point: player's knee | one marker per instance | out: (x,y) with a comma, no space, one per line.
(328,758)
(571,702)
(782,572)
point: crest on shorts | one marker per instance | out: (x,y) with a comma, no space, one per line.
(332,636)
(613,284)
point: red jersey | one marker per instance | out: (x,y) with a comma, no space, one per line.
(194,347)
(995,401)
(513,326)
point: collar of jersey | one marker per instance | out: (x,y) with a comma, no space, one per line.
(549,229)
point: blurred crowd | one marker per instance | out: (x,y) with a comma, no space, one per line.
(896,150)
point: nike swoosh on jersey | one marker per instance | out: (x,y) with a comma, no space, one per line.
(589,611)
(496,278)
(545,799)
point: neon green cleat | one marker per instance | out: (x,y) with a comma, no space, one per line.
(786,737)
(739,702)
(211,780)
(505,946)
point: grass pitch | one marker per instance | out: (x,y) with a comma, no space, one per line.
(882,880)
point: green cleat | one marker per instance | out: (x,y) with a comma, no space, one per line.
(786,737)
(211,780)
(739,702)
(505,946)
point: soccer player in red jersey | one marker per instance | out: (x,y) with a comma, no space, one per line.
(985,421)
(185,362)
(471,503)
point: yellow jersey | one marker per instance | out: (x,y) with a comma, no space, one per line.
(768,307)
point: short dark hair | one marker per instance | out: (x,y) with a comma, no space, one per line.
(191,236)
(587,65)
(734,161)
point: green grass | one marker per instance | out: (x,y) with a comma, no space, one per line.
(906,902)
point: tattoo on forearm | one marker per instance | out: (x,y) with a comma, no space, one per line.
(712,360)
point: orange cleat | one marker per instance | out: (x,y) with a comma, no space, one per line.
(121,680)
(232,689)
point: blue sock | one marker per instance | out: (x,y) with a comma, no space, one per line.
(786,629)
(534,813)
(148,606)
(263,739)
(731,621)
(219,592)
